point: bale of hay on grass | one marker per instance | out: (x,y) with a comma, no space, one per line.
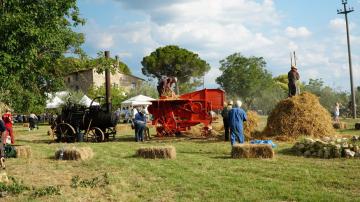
(164,152)
(23,151)
(73,153)
(251,124)
(252,151)
(299,115)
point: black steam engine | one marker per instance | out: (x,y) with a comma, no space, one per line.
(80,123)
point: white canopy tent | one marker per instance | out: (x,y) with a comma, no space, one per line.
(56,100)
(139,100)
(85,100)
(54,103)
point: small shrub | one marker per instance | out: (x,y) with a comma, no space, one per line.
(45,191)
(14,188)
(92,183)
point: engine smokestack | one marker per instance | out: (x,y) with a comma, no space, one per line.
(107,85)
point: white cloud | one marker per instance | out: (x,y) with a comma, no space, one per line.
(97,38)
(215,29)
(338,24)
(294,32)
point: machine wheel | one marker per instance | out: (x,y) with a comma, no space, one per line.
(65,133)
(196,107)
(110,132)
(166,126)
(95,135)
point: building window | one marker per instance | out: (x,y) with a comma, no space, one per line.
(68,79)
(77,76)
(133,85)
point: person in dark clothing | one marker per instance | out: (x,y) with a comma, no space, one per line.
(225,115)
(140,124)
(293,76)
(2,149)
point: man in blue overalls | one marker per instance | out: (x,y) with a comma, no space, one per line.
(236,118)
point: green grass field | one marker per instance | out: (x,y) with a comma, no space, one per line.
(202,171)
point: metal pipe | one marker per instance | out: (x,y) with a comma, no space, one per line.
(345,12)
(107,84)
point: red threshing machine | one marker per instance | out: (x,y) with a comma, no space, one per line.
(171,116)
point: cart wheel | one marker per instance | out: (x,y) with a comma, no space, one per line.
(165,126)
(96,135)
(65,133)
(110,132)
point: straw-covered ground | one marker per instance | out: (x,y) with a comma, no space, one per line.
(202,171)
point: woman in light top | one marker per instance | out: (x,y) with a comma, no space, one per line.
(336,112)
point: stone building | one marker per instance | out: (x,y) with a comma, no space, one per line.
(83,80)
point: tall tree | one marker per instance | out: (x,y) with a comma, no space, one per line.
(244,77)
(118,95)
(34,35)
(172,60)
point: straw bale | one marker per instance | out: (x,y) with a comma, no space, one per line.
(4,178)
(251,124)
(74,153)
(299,115)
(26,125)
(252,151)
(162,152)
(23,151)
(123,127)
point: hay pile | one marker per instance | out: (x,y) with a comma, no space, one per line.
(340,125)
(299,115)
(252,151)
(251,124)
(165,152)
(23,151)
(328,147)
(82,153)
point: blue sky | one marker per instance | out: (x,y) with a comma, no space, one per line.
(217,28)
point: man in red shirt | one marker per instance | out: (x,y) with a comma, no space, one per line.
(7,118)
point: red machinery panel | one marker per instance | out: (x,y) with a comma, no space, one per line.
(171,116)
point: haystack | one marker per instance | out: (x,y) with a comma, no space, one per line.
(252,151)
(299,115)
(73,153)
(251,124)
(164,152)
(23,151)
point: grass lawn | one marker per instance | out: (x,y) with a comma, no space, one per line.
(202,171)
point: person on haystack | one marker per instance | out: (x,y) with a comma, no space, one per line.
(225,116)
(293,76)
(236,118)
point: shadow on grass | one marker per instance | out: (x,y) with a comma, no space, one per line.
(38,141)
(287,151)
(222,157)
